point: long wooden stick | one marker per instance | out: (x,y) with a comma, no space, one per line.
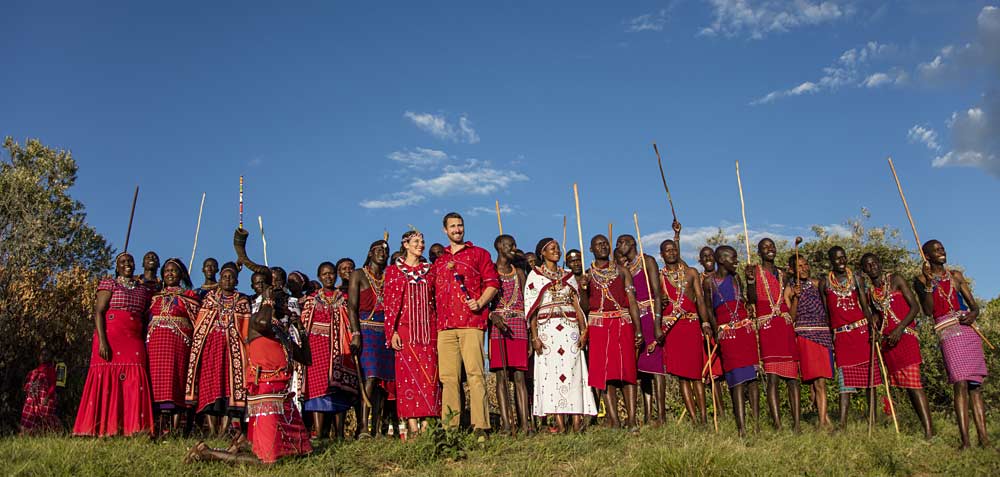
(916,237)
(664,178)
(579,228)
(611,240)
(131,215)
(564,236)
(743,210)
(197,229)
(645,272)
(711,382)
(499,222)
(885,380)
(260,220)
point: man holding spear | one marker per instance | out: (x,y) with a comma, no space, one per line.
(946,295)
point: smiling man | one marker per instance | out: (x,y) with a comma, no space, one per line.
(465,281)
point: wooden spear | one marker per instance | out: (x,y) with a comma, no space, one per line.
(499,222)
(131,215)
(664,178)
(579,228)
(197,229)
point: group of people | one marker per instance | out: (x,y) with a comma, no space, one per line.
(407,330)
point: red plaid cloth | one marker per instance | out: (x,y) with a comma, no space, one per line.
(785,369)
(907,378)
(135,300)
(39,412)
(857,376)
(168,364)
(213,371)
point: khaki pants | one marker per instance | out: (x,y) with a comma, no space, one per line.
(455,347)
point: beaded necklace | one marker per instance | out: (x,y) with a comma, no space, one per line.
(604,277)
(506,304)
(375,283)
(634,266)
(127,282)
(734,314)
(936,282)
(772,303)
(675,277)
(844,291)
(554,276)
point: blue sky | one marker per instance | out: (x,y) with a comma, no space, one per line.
(346,119)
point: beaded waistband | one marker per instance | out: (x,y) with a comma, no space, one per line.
(851,326)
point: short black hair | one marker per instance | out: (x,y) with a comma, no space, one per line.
(281,272)
(451,215)
(326,264)
(496,241)
(723,248)
(833,250)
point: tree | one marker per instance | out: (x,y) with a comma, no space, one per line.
(50,260)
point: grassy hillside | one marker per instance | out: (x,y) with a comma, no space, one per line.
(674,449)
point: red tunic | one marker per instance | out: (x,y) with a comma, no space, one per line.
(778,348)
(851,343)
(168,341)
(324,317)
(275,428)
(612,334)
(894,310)
(684,343)
(116,397)
(409,312)
(737,338)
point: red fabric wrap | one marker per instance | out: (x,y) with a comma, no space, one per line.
(684,350)
(906,353)
(739,346)
(777,335)
(116,396)
(851,347)
(280,432)
(815,360)
(611,353)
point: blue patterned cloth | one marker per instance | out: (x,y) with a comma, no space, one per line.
(377,360)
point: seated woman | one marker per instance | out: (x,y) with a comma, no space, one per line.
(275,429)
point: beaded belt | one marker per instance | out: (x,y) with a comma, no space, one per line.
(812,328)
(646,306)
(266,404)
(950,320)
(851,326)
(671,319)
(372,324)
(556,310)
(321,329)
(761,320)
(732,326)
(172,323)
(597,317)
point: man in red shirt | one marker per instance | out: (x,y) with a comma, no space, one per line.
(465,281)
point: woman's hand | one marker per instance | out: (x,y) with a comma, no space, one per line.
(104,349)
(397,342)
(537,345)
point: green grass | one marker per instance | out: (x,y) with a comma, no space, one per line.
(674,449)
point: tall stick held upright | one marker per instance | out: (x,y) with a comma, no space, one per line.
(579,228)
(131,215)
(743,210)
(197,229)
(664,178)
(241,202)
(499,222)
(260,220)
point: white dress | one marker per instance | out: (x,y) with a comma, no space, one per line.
(561,370)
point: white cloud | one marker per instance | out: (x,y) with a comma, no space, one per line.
(975,137)
(439,127)
(925,136)
(419,157)
(877,79)
(473,177)
(848,70)
(483,210)
(965,61)
(758,18)
(392,201)
(648,22)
